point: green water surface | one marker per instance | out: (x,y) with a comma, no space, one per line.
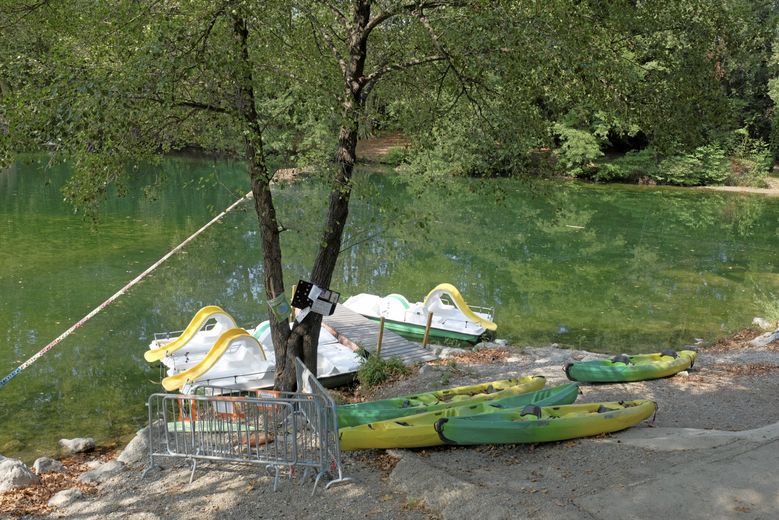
(606,268)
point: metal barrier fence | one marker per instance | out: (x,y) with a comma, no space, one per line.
(282,431)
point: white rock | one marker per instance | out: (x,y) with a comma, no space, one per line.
(47,465)
(137,450)
(14,474)
(65,497)
(765,339)
(762,323)
(102,472)
(425,369)
(449,352)
(501,342)
(79,445)
(93,464)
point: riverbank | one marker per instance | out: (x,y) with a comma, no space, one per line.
(725,392)
(772,190)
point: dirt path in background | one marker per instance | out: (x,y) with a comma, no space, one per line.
(374,149)
(772,190)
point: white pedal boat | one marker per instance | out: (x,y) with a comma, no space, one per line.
(452,317)
(209,352)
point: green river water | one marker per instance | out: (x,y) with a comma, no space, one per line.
(605,268)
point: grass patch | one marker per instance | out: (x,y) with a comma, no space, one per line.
(375,371)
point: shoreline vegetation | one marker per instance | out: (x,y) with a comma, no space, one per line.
(751,173)
(730,372)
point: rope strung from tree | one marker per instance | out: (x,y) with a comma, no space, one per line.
(120,292)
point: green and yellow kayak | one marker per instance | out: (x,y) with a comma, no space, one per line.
(544,424)
(372,411)
(624,368)
(418,431)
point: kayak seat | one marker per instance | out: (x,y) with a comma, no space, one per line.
(531,409)
(621,358)
(669,352)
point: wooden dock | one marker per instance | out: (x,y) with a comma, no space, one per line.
(356,331)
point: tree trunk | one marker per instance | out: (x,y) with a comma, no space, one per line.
(264,207)
(338,211)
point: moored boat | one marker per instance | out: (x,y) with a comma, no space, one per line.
(418,431)
(372,411)
(624,368)
(544,424)
(236,361)
(452,317)
(200,334)
(212,351)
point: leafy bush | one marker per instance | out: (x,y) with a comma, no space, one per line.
(631,167)
(738,161)
(394,156)
(375,370)
(705,165)
(578,148)
(751,161)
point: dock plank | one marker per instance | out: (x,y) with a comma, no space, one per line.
(357,331)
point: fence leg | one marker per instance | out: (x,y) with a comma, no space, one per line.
(192,475)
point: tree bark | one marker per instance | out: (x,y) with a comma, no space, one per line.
(264,207)
(341,187)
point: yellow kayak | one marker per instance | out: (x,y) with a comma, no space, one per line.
(418,431)
(544,424)
(372,411)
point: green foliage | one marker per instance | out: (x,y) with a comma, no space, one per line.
(767,304)
(750,161)
(578,148)
(705,165)
(395,156)
(116,83)
(375,370)
(634,166)
(739,161)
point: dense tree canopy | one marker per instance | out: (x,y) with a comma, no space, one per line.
(484,88)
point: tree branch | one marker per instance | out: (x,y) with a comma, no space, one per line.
(464,82)
(370,80)
(409,8)
(338,13)
(23,12)
(329,41)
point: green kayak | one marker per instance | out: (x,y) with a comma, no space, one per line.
(372,411)
(624,368)
(544,424)
(418,431)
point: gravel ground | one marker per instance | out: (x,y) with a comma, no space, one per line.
(729,382)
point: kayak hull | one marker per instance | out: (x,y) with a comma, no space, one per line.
(556,423)
(640,368)
(418,431)
(373,411)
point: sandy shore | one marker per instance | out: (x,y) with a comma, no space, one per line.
(731,388)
